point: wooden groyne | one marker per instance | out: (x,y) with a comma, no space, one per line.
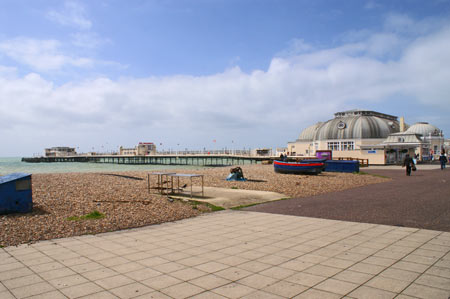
(200,160)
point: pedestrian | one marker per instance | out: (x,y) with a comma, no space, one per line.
(409,163)
(443,160)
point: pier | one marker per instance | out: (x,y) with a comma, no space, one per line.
(199,160)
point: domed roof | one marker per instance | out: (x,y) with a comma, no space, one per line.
(357,124)
(424,129)
(309,132)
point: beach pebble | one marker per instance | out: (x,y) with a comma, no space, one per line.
(127,203)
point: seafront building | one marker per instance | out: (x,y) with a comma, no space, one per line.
(261,152)
(142,149)
(363,134)
(60,151)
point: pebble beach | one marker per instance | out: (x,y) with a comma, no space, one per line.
(61,200)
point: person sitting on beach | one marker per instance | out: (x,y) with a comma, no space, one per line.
(236,174)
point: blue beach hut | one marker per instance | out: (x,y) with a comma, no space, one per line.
(15,193)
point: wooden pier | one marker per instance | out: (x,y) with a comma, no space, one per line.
(200,160)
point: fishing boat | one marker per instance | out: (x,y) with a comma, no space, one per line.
(298,167)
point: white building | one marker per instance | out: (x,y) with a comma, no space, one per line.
(261,152)
(363,134)
(60,151)
(142,149)
(421,139)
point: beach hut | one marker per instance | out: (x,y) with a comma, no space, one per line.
(15,193)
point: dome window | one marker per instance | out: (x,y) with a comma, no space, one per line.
(341,125)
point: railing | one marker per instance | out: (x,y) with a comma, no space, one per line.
(201,160)
(227,152)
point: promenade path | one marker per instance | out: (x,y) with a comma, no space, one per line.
(421,200)
(235,254)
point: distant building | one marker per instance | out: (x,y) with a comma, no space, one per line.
(280,150)
(142,149)
(447,146)
(127,151)
(363,134)
(262,152)
(60,151)
(421,139)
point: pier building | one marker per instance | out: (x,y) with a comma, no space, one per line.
(60,151)
(142,149)
(363,134)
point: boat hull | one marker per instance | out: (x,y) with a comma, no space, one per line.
(298,168)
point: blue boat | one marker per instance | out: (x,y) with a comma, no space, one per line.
(317,160)
(298,167)
(342,166)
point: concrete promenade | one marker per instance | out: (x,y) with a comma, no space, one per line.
(235,254)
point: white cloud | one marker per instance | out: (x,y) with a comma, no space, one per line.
(72,14)
(8,72)
(296,46)
(88,40)
(382,44)
(48,55)
(426,66)
(372,5)
(410,28)
(261,106)
(42,55)
(398,22)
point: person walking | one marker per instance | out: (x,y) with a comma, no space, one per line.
(443,160)
(409,163)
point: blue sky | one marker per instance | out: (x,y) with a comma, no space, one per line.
(246,73)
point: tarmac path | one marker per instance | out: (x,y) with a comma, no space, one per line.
(421,201)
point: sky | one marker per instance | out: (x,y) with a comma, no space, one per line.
(214,74)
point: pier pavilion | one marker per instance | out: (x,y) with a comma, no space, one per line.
(364,134)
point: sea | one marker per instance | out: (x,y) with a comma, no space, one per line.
(15,164)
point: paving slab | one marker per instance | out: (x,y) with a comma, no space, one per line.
(236,254)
